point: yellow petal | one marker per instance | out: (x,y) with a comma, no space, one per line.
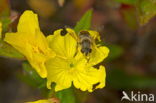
(58,72)
(64,46)
(62,73)
(98,55)
(42,101)
(85,79)
(94,34)
(28,22)
(31,42)
(18,41)
(0,30)
(102,77)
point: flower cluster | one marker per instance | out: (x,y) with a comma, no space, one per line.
(56,57)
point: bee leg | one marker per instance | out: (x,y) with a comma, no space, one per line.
(88,59)
(77,49)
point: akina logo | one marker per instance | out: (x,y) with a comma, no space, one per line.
(138,96)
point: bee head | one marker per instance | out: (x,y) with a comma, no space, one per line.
(84,33)
(63,32)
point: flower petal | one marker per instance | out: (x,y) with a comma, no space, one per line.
(94,35)
(35,50)
(58,72)
(28,23)
(64,46)
(102,77)
(18,41)
(31,42)
(90,76)
(98,55)
(42,101)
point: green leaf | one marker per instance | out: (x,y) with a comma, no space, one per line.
(31,77)
(127,1)
(121,80)
(81,96)
(66,96)
(115,52)
(5,23)
(7,50)
(85,22)
(147,10)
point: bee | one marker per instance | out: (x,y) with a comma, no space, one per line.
(84,39)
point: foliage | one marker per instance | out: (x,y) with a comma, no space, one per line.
(132,2)
(31,77)
(119,79)
(145,9)
(115,52)
(85,22)
(7,50)
(66,96)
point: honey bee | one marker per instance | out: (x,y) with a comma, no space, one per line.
(84,39)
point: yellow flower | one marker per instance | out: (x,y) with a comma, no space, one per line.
(70,66)
(0,30)
(51,100)
(42,101)
(30,41)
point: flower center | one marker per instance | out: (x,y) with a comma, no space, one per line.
(71,65)
(37,49)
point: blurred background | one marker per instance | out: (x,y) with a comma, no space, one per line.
(129,30)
